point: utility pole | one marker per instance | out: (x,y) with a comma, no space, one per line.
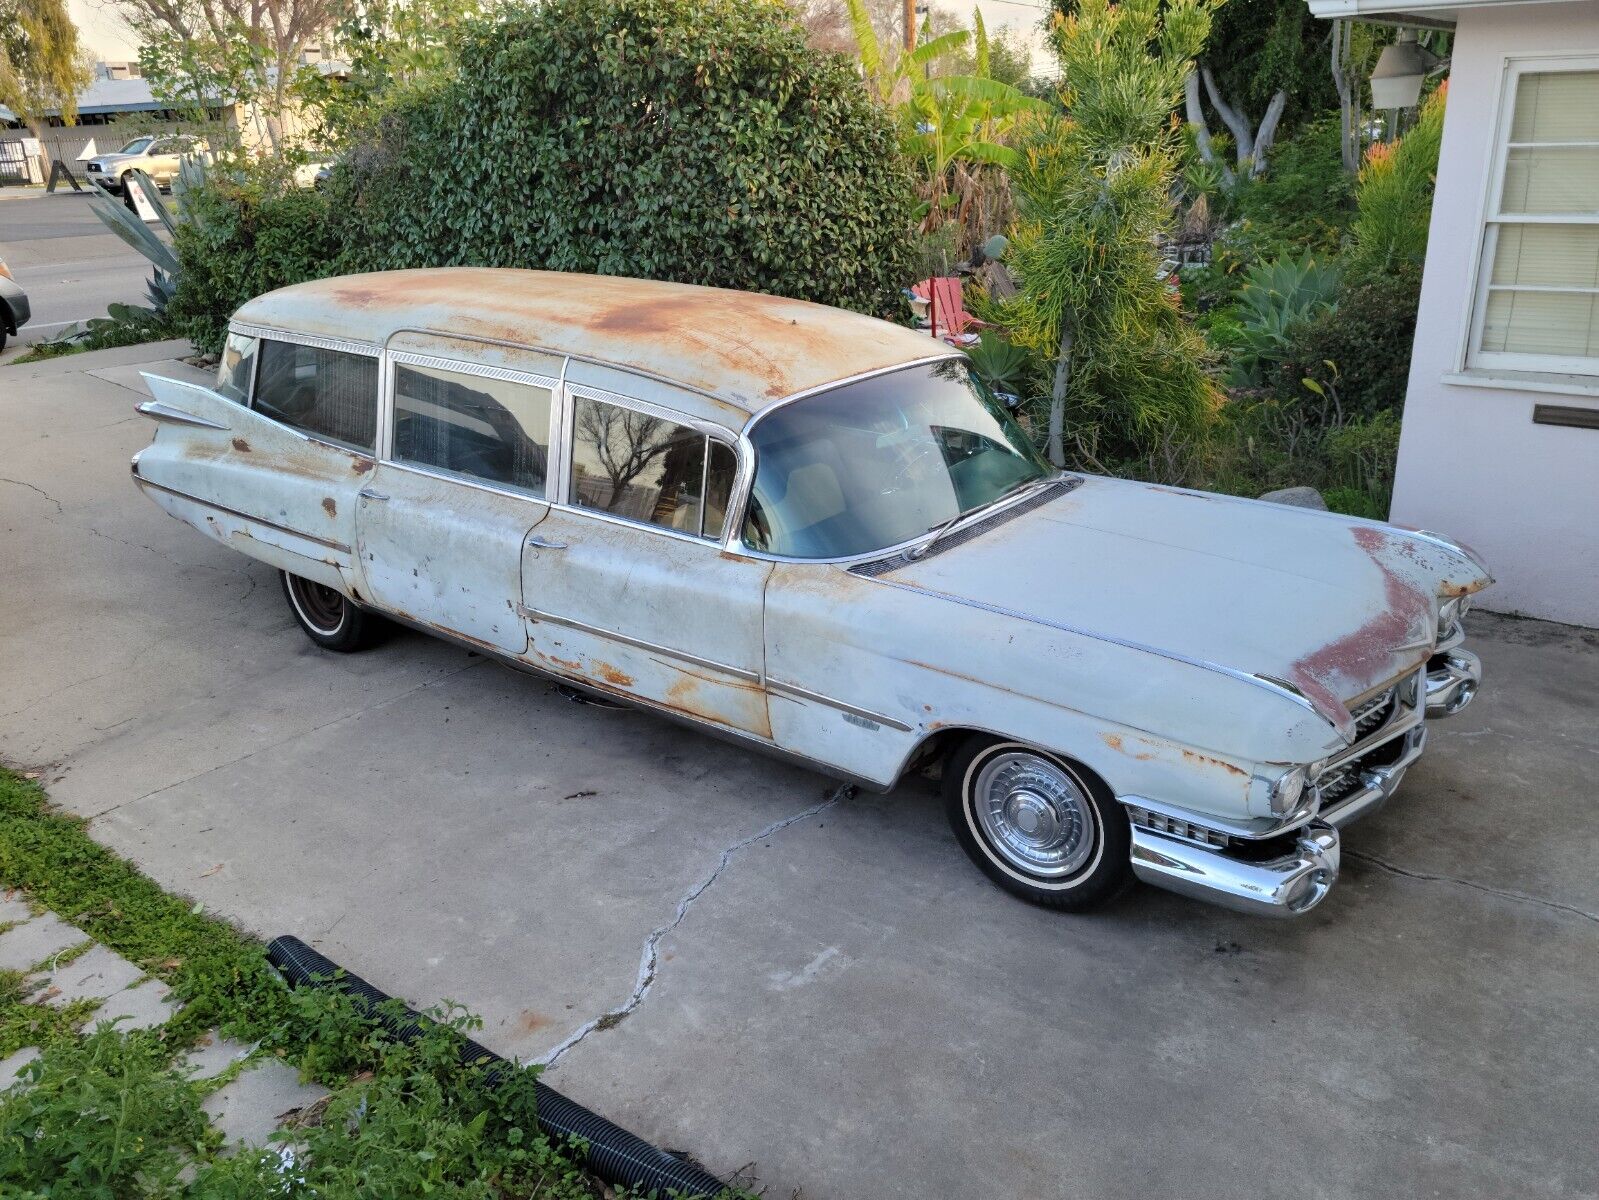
(910,25)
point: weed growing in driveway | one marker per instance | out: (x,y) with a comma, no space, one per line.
(220,977)
(108,1116)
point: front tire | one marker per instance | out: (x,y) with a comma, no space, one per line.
(1039,825)
(330,618)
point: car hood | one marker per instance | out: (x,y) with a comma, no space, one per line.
(1331,606)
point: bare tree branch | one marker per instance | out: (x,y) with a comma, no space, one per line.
(1196,118)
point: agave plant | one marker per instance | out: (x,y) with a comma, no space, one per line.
(1001,364)
(1276,298)
(159,288)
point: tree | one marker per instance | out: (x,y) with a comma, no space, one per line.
(41,65)
(248,50)
(389,45)
(1266,57)
(1094,197)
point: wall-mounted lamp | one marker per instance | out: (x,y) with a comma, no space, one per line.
(1396,80)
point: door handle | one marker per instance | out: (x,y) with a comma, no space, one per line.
(544,543)
(367,493)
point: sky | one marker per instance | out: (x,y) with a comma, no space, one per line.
(107,37)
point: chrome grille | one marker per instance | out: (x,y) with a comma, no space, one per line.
(1174,827)
(1371,715)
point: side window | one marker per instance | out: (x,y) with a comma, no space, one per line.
(329,394)
(649,469)
(234,372)
(490,429)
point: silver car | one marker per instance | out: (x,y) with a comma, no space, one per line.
(821,536)
(157,155)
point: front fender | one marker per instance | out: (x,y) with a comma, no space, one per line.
(1148,725)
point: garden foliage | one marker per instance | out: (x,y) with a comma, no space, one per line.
(694,140)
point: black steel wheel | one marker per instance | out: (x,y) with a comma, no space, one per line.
(330,618)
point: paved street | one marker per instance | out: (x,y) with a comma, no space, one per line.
(830,991)
(70,265)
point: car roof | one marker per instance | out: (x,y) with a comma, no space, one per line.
(747,349)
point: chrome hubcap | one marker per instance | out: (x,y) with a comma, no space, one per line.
(1034,814)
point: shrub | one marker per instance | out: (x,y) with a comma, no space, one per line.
(1357,355)
(245,236)
(1394,196)
(1304,198)
(694,140)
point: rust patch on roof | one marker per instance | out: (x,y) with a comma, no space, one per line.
(329,507)
(729,344)
(242,446)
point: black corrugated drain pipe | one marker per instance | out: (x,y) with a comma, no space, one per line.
(612,1153)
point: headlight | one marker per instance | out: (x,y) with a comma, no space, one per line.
(1285,793)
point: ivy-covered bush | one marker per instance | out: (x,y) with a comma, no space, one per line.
(1357,354)
(694,140)
(243,236)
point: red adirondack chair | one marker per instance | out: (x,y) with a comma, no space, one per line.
(950,320)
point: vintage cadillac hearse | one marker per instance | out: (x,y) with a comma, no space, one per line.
(821,535)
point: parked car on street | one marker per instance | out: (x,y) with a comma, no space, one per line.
(157,155)
(820,535)
(14,308)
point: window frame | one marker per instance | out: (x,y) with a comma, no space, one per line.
(710,430)
(388,414)
(333,345)
(1491,218)
(255,366)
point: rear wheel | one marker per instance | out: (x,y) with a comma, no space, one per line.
(1040,826)
(330,618)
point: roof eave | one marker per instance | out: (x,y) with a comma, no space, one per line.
(1427,14)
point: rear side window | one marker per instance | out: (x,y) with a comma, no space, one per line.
(238,362)
(649,469)
(495,430)
(329,394)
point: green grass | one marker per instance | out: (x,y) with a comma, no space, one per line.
(220,976)
(108,1115)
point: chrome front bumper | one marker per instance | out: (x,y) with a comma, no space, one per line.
(1282,886)
(1453,677)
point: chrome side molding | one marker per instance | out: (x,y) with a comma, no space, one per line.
(158,410)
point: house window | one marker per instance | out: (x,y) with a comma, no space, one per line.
(1538,294)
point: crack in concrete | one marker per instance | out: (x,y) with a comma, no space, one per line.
(649,957)
(32,488)
(1502,893)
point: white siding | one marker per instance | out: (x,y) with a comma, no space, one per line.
(1471,462)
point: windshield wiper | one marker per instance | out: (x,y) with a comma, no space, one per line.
(939,530)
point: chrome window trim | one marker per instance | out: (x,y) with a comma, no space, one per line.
(707,429)
(444,476)
(976,514)
(537,615)
(344,345)
(234,512)
(388,411)
(733,539)
(796,692)
(371,451)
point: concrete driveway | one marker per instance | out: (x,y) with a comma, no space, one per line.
(841,1001)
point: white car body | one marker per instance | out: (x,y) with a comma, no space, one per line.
(1190,650)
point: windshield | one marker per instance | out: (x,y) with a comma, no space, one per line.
(876,463)
(136,146)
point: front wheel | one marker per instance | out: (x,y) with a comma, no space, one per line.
(1038,825)
(330,618)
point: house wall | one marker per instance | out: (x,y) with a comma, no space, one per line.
(1471,462)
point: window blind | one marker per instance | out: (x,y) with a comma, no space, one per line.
(1540,297)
